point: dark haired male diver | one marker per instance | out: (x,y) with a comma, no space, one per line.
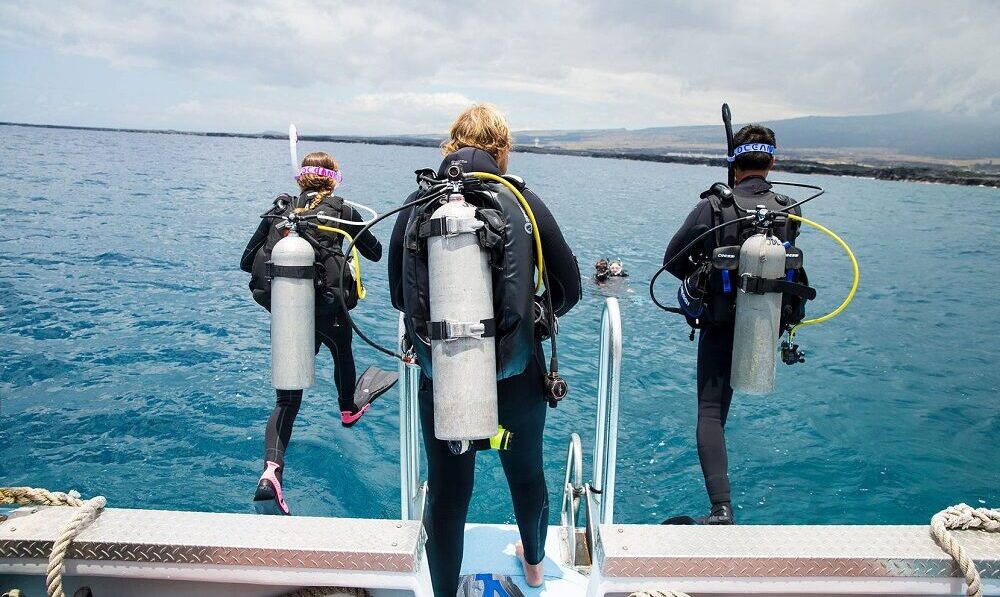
(754,156)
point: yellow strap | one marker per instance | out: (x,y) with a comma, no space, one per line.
(527,212)
(854,285)
(354,253)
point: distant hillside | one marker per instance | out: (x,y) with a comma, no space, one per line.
(906,136)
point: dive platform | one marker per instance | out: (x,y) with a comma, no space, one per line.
(152,553)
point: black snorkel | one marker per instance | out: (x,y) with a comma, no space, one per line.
(727,119)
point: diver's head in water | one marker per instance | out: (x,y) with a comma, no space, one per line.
(753,162)
(320,173)
(615,267)
(601,269)
(484,127)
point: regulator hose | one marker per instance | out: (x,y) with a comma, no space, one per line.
(854,284)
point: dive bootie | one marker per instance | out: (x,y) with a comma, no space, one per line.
(268,499)
(720,514)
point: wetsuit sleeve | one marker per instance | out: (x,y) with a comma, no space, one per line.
(256,242)
(367,244)
(560,262)
(395,265)
(697,222)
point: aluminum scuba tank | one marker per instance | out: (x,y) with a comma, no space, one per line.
(463,344)
(758,316)
(293,314)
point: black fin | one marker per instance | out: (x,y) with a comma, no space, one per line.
(373,383)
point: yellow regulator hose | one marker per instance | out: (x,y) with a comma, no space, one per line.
(354,253)
(854,285)
(527,212)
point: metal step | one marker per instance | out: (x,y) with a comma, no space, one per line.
(289,551)
(845,560)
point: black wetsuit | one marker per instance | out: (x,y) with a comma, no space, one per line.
(522,410)
(332,331)
(715,344)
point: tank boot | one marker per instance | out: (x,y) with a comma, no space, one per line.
(720,514)
(268,499)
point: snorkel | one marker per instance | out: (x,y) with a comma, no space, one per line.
(293,138)
(727,120)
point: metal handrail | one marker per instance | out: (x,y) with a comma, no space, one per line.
(608,383)
(411,487)
(572,490)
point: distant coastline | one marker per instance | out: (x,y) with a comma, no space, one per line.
(911,173)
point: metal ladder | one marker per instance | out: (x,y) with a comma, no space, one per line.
(413,490)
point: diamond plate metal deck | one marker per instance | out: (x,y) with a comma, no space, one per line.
(786,551)
(222,539)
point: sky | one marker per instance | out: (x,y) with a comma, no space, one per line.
(385,67)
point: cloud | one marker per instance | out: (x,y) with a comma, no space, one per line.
(548,63)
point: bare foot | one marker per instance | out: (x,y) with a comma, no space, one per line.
(534,574)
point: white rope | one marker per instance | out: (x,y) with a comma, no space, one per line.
(659,594)
(29,495)
(87,512)
(964,517)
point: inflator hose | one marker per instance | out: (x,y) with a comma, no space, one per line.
(354,253)
(542,274)
(854,285)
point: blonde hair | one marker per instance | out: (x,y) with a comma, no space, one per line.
(481,126)
(323,185)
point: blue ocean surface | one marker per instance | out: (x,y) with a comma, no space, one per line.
(134,364)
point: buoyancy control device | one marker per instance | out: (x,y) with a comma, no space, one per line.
(765,275)
(469,301)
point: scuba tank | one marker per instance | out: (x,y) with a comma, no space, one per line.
(758,314)
(462,328)
(293,309)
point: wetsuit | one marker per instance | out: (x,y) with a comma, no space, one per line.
(332,331)
(715,340)
(522,410)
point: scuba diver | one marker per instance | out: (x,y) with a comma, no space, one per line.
(601,270)
(616,269)
(318,177)
(708,298)
(522,236)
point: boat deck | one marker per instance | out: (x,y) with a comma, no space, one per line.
(159,553)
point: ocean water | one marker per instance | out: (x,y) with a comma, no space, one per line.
(134,364)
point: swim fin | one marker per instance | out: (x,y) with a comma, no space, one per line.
(488,585)
(373,383)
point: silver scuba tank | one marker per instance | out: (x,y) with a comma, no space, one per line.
(463,346)
(758,316)
(293,314)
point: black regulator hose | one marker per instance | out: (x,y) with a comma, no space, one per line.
(683,253)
